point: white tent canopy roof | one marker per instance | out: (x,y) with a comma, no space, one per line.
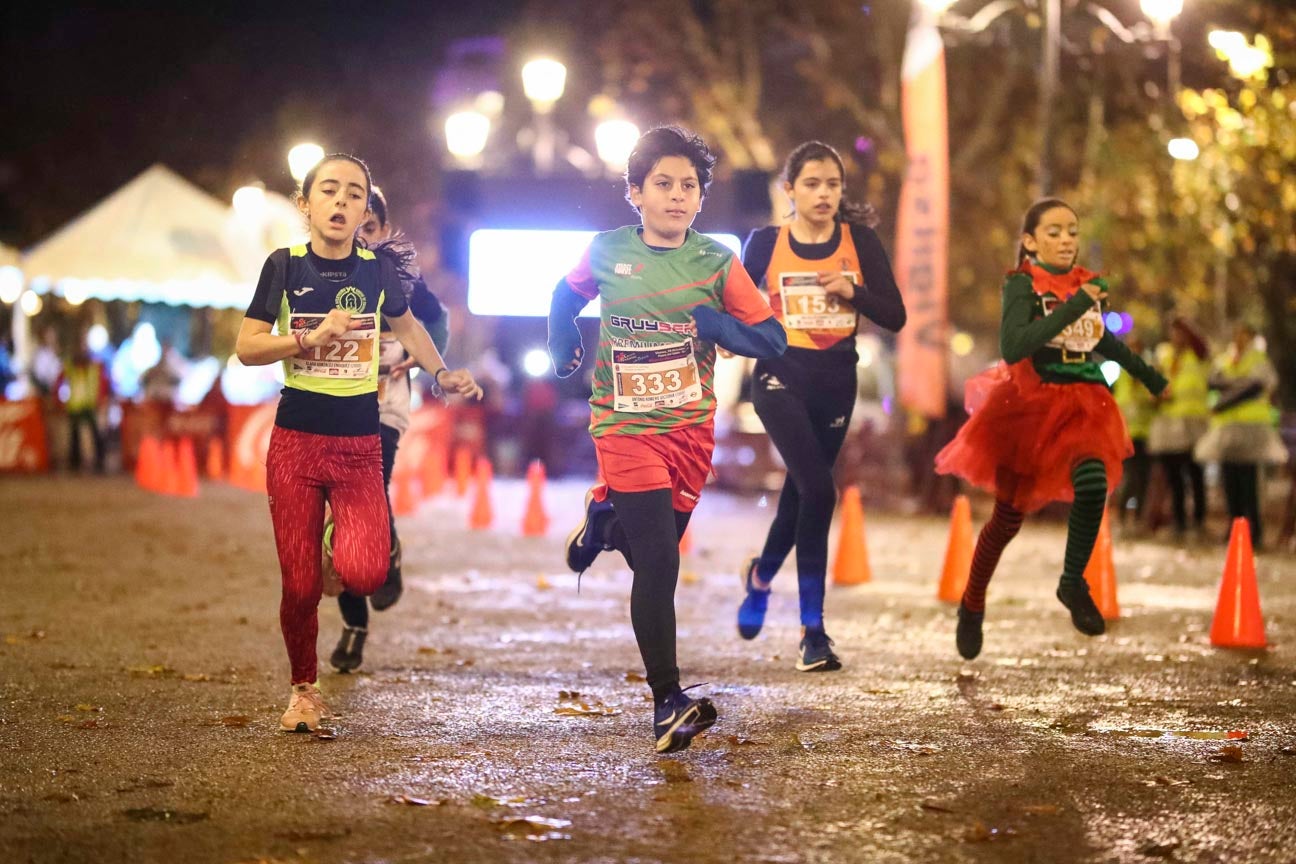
(158,239)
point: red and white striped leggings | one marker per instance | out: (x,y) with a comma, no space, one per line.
(302,470)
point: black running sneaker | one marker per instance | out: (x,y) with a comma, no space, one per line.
(678,719)
(816,652)
(390,591)
(349,653)
(585,543)
(1084,613)
(968,634)
(751,612)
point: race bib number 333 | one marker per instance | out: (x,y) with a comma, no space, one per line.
(350,356)
(645,379)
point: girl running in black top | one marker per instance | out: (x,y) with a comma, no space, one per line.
(822,271)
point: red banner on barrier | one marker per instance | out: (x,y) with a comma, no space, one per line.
(22,438)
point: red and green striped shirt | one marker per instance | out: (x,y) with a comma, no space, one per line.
(651,374)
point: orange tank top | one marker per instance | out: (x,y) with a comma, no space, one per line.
(812,318)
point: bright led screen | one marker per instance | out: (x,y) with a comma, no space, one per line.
(513,272)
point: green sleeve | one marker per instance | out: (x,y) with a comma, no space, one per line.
(1019,336)
(1114,349)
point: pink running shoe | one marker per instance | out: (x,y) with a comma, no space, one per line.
(306,709)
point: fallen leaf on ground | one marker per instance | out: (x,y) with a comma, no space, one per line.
(196,676)
(156,671)
(534,828)
(1231,753)
(322,734)
(160,814)
(1041,809)
(688,577)
(86,706)
(542,583)
(1159,850)
(979,832)
(1287,751)
(486,802)
(635,678)
(739,741)
(571,703)
(410,800)
(1161,780)
(935,808)
(916,747)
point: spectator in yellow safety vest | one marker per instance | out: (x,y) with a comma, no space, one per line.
(87,392)
(1242,436)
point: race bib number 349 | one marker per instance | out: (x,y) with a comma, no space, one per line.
(645,379)
(1082,334)
(350,356)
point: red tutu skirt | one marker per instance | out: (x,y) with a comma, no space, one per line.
(1024,436)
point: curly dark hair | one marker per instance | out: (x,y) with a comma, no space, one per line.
(656,144)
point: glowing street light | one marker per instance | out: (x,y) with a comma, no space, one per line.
(937,6)
(543,81)
(75,293)
(30,303)
(466,133)
(1183,149)
(250,202)
(11,284)
(302,158)
(1161,11)
(536,363)
(615,140)
(1226,42)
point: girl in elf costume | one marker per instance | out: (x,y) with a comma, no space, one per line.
(1043,425)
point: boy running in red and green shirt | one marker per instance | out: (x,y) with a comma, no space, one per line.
(668,297)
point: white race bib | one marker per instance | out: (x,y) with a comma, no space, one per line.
(350,356)
(1082,334)
(807,306)
(645,379)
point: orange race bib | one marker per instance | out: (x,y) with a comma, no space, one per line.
(350,356)
(645,379)
(807,306)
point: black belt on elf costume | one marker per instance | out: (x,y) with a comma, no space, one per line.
(1051,355)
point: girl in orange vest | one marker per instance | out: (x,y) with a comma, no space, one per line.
(822,271)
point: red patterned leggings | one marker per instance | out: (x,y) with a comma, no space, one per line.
(302,470)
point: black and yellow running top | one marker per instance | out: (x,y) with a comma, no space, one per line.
(331,390)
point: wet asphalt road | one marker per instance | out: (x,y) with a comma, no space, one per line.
(142,676)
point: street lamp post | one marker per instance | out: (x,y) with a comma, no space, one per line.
(543,81)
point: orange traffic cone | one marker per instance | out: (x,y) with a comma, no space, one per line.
(146,466)
(958,553)
(215,459)
(686,542)
(462,470)
(1100,573)
(434,470)
(1238,622)
(535,522)
(481,515)
(851,566)
(406,500)
(186,475)
(167,470)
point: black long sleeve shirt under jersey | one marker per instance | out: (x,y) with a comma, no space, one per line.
(877,299)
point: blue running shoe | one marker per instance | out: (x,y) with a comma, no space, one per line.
(751,614)
(816,652)
(583,544)
(678,719)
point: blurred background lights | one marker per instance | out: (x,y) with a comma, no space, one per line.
(615,139)
(543,81)
(250,202)
(1161,11)
(30,303)
(97,338)
(1111,371)
(302,158)
(11,284)
(75,292)
(1184,149)
(961,344)
(536,362)
(466,133)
